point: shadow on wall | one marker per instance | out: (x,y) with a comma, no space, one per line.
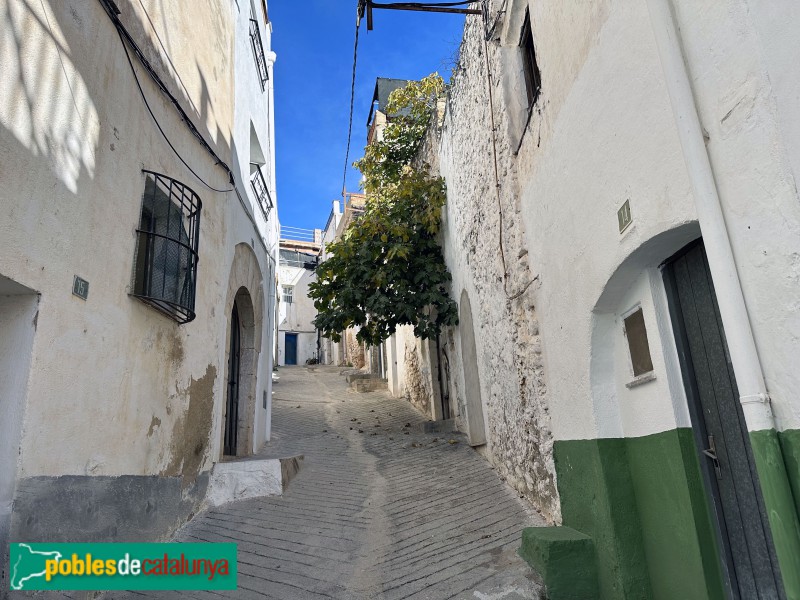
(38,70)
(64,82)
(52,51)
(207,17)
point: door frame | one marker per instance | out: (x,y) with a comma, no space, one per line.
(700,431)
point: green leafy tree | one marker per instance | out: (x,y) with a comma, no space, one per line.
(387,269)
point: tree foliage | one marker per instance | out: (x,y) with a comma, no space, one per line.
(387,269)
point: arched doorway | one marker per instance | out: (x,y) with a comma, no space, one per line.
(232,403)
(657,345)
(245,304)
(240,377)
(472,384)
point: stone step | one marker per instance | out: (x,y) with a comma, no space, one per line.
(444,426)
(369,384)
(247,478)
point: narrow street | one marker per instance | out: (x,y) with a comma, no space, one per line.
(378,510)
(562,238)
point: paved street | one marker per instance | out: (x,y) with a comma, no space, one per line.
(378,510)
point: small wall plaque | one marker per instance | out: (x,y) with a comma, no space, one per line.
(80,288)
(624,216)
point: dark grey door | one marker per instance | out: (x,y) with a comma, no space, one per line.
(748,557)
(232,412)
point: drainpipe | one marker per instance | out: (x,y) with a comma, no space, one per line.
(754,398)
(741,344)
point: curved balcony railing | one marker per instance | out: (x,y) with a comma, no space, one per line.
(167,239)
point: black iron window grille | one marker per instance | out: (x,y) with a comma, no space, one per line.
(258,53)
(533,78)
(261,191)
(165,264)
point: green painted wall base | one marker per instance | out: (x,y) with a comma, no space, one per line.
(776,462)
(790,446)
(565,560)
(642,502)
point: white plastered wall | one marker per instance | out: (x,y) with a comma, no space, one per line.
(73,185)
(297,316)
(742,58)
(306,347)
(254,115)
(605,138)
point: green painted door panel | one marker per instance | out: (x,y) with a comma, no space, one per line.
(782,512)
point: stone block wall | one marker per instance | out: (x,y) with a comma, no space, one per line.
(354,350)
(485,252)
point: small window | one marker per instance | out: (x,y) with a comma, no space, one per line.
(533,79)
(165,263)
(288,294)
(639,348)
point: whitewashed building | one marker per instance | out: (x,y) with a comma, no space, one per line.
(328,350)
(622,230)
(348,351)
(138,241)
(298,340)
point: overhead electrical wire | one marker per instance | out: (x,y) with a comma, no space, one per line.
(420,4)
(125,36)
(352,102)
(113,12)
(158,125)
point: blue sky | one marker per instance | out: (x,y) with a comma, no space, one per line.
(314,44)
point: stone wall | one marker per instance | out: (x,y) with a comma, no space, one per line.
(417,385)
(484,250)
(354,350)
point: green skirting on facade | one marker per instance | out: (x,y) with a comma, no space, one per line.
(790,445)
(776,456)
(643,503)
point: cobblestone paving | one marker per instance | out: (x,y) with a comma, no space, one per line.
(378,510)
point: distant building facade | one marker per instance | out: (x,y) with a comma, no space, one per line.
(298,341)
(348,351)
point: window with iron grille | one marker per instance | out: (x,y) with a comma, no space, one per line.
(260,189)
(258,53)
(288,294)
(533,78)
(165,263)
